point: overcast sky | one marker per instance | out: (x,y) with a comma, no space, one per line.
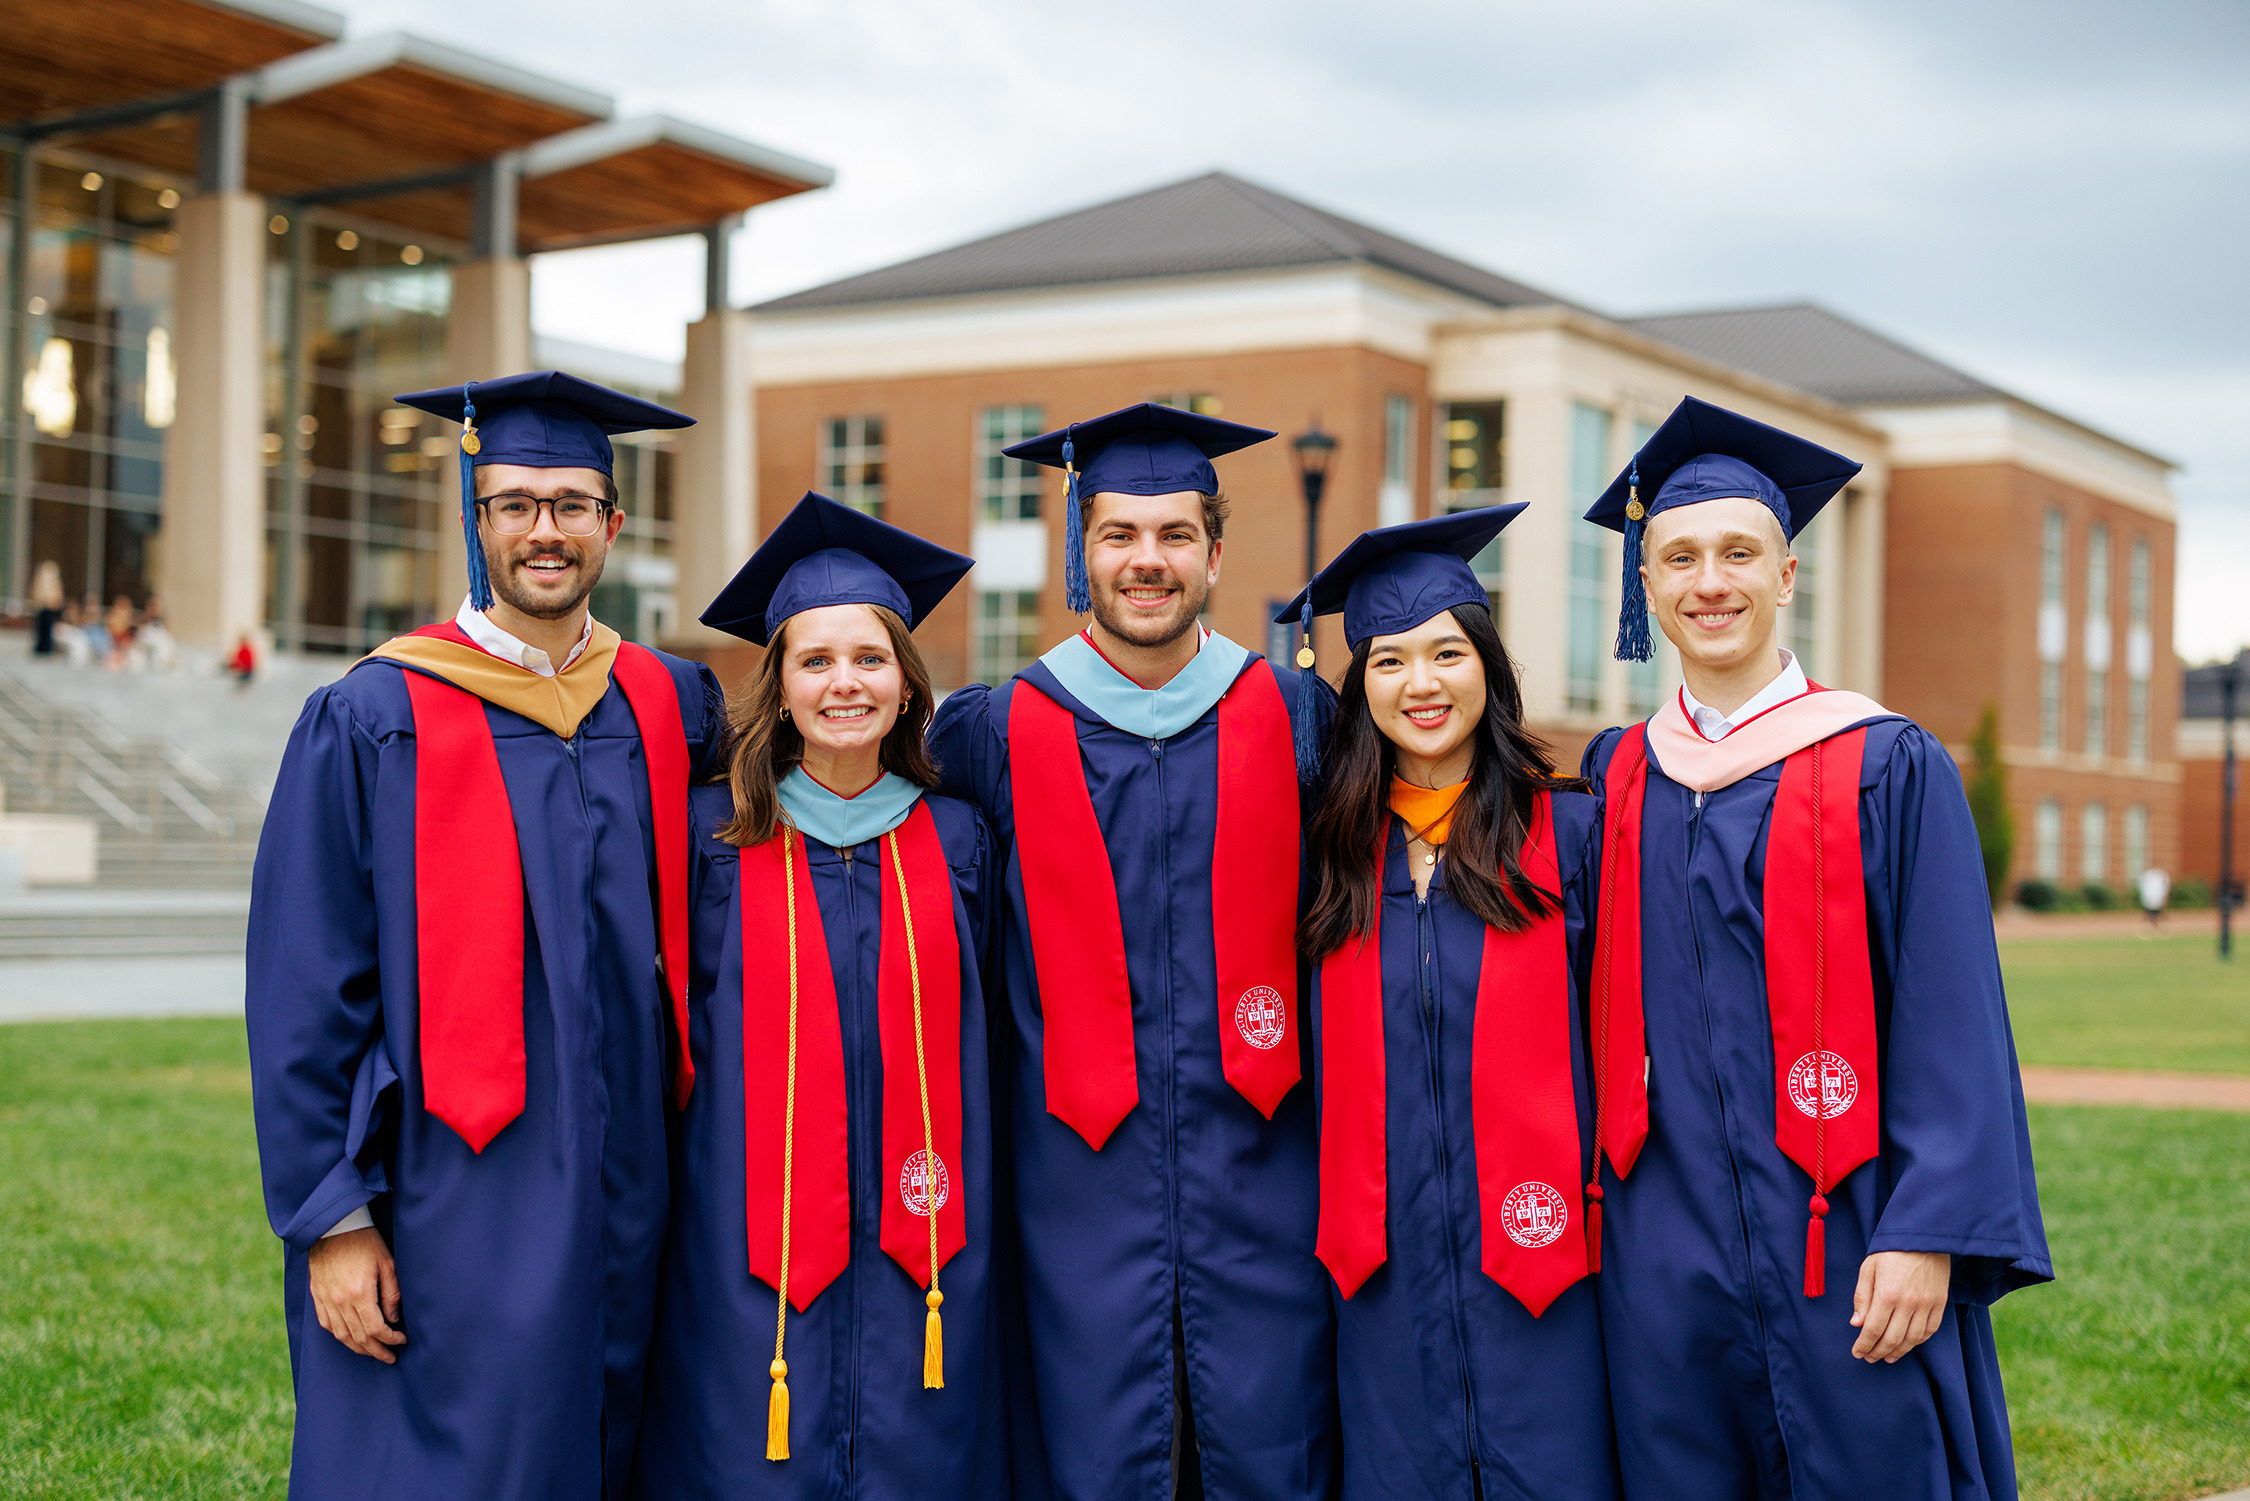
(2054,196)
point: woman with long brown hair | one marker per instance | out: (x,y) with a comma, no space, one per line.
(832,1174)
(1452,887)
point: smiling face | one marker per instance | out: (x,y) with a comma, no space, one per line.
(1426,693)
(1717,571)
(543,573)
(1150,564)
(841,681)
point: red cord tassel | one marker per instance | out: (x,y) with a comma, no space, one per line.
(1816,1249)
(1593,1227)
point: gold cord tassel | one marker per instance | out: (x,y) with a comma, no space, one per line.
(933,1344)
(777,1411)
(777,1403)
(933,1328)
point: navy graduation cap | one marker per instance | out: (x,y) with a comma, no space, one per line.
(824,553)
(1395,577)
(1144,449)
(1704,452)
(546,420)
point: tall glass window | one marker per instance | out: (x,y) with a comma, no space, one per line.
(1007,633)
(2139,656)
(851,462)
(1395,505)
(2098,642)
(1475,449)
(2136,841)
(98,382)
(358,491)
(2047,841)
(2050,706)
(2053,558)
(2093,843)
(1589,556)
(1007,489)
(2097,711)
(1804,605)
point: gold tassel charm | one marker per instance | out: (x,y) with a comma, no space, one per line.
(933,1344)
(777,1412)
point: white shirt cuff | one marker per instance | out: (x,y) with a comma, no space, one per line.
(358,1219)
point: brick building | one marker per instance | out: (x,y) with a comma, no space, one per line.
(2203,752)
(1991,551)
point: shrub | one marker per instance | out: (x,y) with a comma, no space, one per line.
(2038,896)
(1988,803)
(2189,893)
(2098,897)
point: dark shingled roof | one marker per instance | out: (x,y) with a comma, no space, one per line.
(1814,350)
(1206,224)
(2201,698)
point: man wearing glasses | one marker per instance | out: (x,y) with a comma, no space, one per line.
(467,974)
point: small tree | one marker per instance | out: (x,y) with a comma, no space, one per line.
(1988,804)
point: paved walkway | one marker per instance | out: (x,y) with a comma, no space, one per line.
(2048,1085)
(94,989)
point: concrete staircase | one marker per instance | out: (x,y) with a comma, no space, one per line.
(122,924)
(174,769)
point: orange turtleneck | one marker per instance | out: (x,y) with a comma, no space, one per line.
(1428,811)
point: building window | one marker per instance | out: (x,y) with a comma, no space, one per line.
(2054,542)
(2050,706)
(2093,843)
(1202,403)
(1394,505)
(2136,841)
(2137,582)
(1475,451)
(1803,607)
(1007,489)
(1007,633)
(1589,555)
(2140,653)
(2136,718)
(1640,677)
(851,462)
(2097,711)
(2047,825)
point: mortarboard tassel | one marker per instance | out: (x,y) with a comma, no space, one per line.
(1077,597)
(1633,643)
(480,582)
(933,1341)
(1816,1249)
(1301,728)
(777,1412)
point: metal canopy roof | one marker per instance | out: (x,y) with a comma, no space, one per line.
(397,124)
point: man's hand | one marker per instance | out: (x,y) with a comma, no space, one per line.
(1899,1303)
(354,1285)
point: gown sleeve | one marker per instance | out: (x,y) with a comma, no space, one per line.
(970,758)
(322,1084)
(1957,1148)
(707,750)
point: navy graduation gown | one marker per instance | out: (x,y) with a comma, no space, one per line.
(1449,1389)
(1728,1382)
(861,1423)
(526,1274)
(1196,1203)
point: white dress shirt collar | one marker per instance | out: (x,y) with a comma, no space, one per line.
(1715,726)
(478,627)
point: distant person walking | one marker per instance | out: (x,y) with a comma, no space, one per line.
(46,606)
(244,663)
(90,620)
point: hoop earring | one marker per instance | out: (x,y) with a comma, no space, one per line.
(783,717)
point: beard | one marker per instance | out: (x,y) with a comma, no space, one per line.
(1144,630)
(502,562)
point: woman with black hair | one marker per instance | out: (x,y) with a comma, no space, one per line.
(1450,926)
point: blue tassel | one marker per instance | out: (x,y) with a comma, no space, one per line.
(1633,644)
(1302,727)
(1078,596)
(480,582)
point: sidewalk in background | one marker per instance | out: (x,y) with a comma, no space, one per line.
(96,989)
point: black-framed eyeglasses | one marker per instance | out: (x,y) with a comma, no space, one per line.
(513,513)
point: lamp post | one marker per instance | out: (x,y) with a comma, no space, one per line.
(1314,449)
(2230,679)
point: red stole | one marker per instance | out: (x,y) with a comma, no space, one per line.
(1523,1105)
(794,1113)
(1077,934)
(468,891)
(1820,991)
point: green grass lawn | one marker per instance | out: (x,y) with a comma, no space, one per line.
(2129,1003)
(141,1352)
(140,1291)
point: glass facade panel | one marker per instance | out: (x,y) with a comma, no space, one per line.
(1589,556)
(851,462)
(1476,451)
(1008,489)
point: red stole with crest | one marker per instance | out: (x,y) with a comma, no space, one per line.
(1523,1105)
(1077,932)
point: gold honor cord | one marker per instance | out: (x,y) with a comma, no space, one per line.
(777,1405)
(933,1328)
